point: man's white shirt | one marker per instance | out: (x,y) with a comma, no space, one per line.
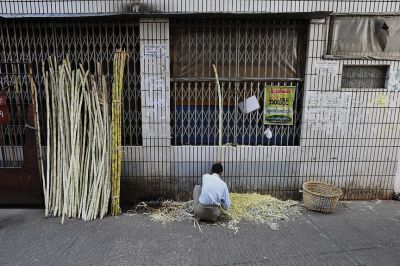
(214,191)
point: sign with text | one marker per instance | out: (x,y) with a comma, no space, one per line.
(324,67)
(153,51)
(278,105)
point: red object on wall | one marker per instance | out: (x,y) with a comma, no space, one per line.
(4,113)
(23,185)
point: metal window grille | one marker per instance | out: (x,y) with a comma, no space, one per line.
(364,76)
(84,41)
(249,54)
(15,100)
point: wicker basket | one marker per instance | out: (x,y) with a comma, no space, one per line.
(322,197)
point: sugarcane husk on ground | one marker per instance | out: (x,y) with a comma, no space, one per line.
(250,207)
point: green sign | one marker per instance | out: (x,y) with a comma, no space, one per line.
(278,105)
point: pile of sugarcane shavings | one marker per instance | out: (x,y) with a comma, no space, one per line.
(260,209)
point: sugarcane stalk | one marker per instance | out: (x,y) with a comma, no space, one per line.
(113,139)
(38,142)
(220,115)
(78,176)
(116,123)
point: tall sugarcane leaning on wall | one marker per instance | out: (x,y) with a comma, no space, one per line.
(116,124)
(83,159)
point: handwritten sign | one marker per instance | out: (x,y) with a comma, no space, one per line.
(154,83)
(153,51)
(324,67)
(328,110)
(394,81)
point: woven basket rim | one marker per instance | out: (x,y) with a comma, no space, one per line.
(340,193)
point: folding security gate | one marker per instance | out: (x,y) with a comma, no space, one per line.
(32,42)
(183,115)
(248,54)
(19,178)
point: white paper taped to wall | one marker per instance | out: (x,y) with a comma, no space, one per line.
(154,83)
(325,67)
(328,99)
(326,111)
(152,51)
(394,81)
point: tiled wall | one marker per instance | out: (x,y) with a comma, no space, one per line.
(349,138)
(98,7)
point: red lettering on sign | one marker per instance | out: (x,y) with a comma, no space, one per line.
(280,91)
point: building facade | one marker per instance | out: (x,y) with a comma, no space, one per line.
(339,60)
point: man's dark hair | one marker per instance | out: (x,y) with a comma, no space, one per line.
(217,168)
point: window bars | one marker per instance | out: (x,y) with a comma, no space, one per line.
(249,54)
(371,77)
(14,100)
(84,41)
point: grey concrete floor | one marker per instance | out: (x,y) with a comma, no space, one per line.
(358,233)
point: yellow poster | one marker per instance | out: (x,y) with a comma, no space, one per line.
(278,105)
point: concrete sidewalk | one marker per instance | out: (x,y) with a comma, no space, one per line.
(361,233)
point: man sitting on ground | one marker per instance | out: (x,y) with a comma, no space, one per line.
(211,195)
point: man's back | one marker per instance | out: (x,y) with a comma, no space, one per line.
(214,191)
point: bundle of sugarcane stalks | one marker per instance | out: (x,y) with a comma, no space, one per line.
(77,174)
(119,65)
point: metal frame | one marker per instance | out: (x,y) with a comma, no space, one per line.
(84,41)
(249,54)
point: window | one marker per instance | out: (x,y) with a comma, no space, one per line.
(85,42)
(365,37)
(364,76)
(249,55)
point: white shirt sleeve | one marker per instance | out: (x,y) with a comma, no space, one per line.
(226,204)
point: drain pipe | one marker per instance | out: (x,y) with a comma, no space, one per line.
(396,194)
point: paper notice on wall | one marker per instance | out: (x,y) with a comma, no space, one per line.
(317,99)
(312,99)
(154,83)
(325,111)
(153,51)
(342,116)
(381,100)
(394,81)
(312,115)
(329,99)
(157,99)
(324,67)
